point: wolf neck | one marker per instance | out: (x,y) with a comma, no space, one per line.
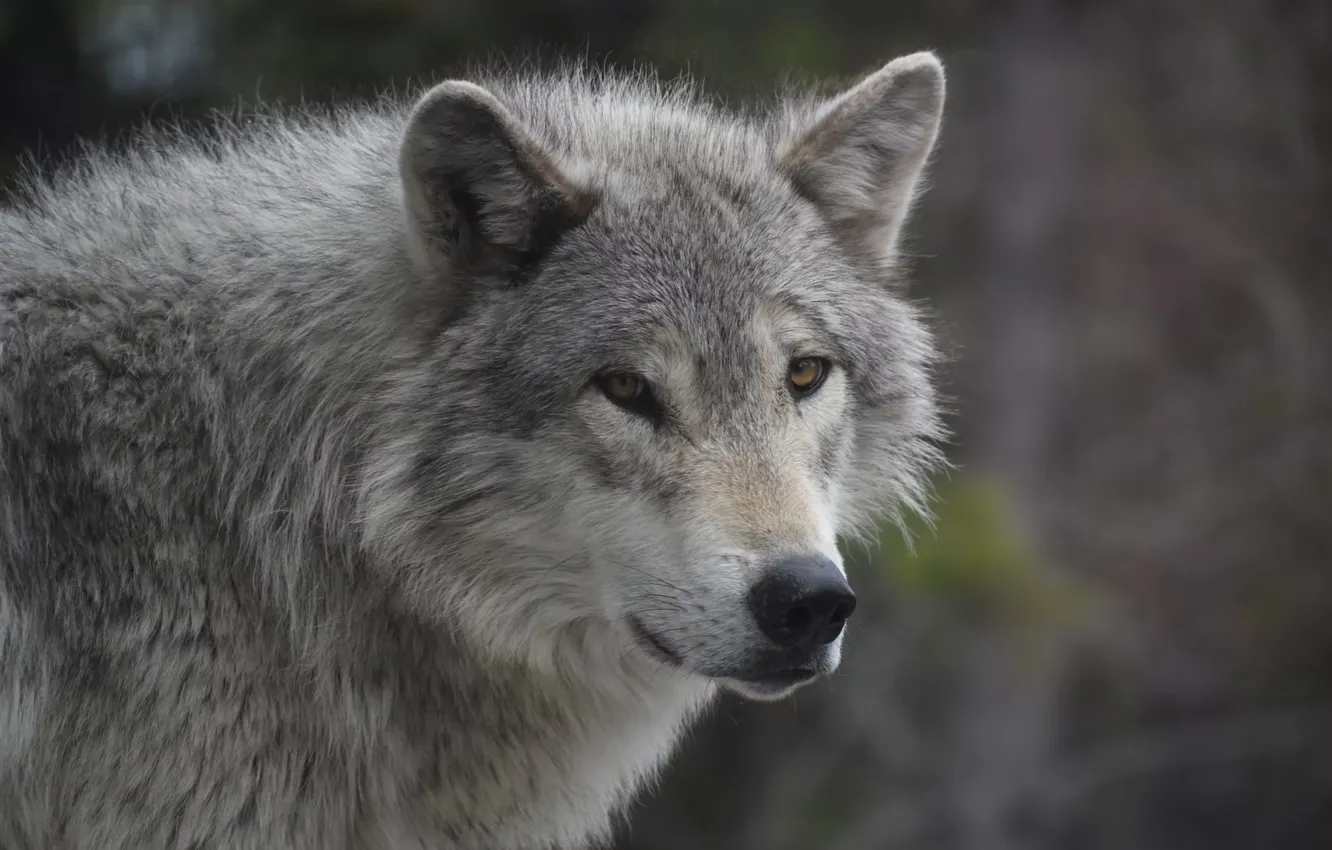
(522,751)
(588,751)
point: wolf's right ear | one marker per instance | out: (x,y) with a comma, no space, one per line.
(480,191)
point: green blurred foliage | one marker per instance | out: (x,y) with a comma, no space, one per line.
(972,557)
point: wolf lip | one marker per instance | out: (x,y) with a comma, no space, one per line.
(781,678)
(653,644)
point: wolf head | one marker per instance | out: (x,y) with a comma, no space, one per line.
(669,364)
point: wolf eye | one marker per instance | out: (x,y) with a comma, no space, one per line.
(806,374)
(622,387)
(631,392)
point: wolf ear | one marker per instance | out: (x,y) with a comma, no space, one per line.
(861,156)
(480,191)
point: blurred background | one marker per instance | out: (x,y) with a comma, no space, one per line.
(1118,634)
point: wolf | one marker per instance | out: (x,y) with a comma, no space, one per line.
(413,474)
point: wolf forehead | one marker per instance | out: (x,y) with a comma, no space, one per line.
(677,190)
(692,235)
(665,272)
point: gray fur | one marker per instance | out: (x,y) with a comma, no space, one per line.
(314,532)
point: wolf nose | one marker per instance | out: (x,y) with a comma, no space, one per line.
(802,602)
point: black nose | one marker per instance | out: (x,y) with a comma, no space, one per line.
(802,601)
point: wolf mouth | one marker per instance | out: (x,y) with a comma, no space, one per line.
(770,680)
(654,645)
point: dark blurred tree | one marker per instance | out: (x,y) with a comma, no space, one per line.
(48,94)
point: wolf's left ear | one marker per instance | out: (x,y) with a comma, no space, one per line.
(861,157)
(480,190)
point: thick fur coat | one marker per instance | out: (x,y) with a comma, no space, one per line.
(401,477)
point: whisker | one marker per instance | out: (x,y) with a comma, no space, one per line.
(648,574)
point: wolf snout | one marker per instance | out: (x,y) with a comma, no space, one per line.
(802,602)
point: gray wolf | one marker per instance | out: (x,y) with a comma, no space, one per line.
(413,475)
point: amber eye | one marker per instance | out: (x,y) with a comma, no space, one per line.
(622,387)
(806,374)
(631,392)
